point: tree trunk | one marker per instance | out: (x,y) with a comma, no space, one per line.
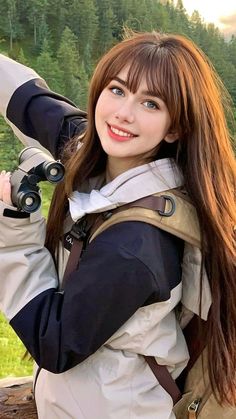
(16,399)
(11,34)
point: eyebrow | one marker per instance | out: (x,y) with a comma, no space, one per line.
(144,92)
(120,81)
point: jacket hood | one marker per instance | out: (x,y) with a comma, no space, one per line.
(136,183)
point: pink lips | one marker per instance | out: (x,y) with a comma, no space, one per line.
(118,137)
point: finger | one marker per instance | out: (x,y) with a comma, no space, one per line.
(5,187)
(1,183)
(6,191)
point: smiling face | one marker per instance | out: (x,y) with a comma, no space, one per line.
(130,125)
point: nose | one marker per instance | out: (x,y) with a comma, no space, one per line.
(125,112)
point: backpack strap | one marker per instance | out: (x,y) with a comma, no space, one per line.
(195,347)
(79,233)
(195,329)
(88,226)
(164,378)
(178,217)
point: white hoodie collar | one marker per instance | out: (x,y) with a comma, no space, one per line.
(136,183)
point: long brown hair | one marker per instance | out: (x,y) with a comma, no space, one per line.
(181,75)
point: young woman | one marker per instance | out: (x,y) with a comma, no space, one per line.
(155,122)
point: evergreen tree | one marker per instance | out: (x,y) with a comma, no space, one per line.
(57,18)
(43,31)
(11,14)
(21,58)
(196,27)
(84,24)
(135,11)
(158,16)
(120,10)
(68,61)
(232,50)
(143,15)
(10,26)
(106,27)
(83,87)
(48,68)
(182,21)
(87,60)
(36,17)
(10,147)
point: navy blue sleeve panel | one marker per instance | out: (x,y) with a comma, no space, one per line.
(60,330)
(44,115)
(160,251)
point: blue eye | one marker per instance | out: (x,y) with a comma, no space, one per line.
(150,104)
(117,91)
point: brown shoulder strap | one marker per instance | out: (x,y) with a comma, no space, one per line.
(195,347)
(196,339)
(164,378)
(91,223)
(79,233)
(168,211)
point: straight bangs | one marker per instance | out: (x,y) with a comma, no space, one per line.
(156,65)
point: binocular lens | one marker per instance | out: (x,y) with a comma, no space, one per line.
(54,172)
(29,201)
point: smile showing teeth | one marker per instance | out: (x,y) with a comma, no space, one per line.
(120,133)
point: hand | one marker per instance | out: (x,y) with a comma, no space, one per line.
(5,187)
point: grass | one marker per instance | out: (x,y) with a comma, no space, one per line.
(12,349)
(47,190)
(12,353)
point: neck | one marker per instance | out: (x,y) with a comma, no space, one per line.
(117,166)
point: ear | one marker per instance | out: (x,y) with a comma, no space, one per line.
(171,137)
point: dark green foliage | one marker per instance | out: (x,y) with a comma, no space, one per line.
(48,68)
(82,19)
(9,147)
(62,40)
(21,58)
(68,61)
(83,87)
(106,27)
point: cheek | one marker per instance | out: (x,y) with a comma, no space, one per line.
(101,111)
(98,125)
(102,114)
(102,104)
(98,110)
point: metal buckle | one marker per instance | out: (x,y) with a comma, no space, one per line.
(193,407)
(79,229)
(173,206)
(106,215)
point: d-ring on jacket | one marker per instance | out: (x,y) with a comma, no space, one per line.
(118,305)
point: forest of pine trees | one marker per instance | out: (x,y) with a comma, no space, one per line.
(62,39)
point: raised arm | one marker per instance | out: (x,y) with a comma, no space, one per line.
(37,115)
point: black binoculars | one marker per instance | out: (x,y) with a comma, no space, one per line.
(35,165)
